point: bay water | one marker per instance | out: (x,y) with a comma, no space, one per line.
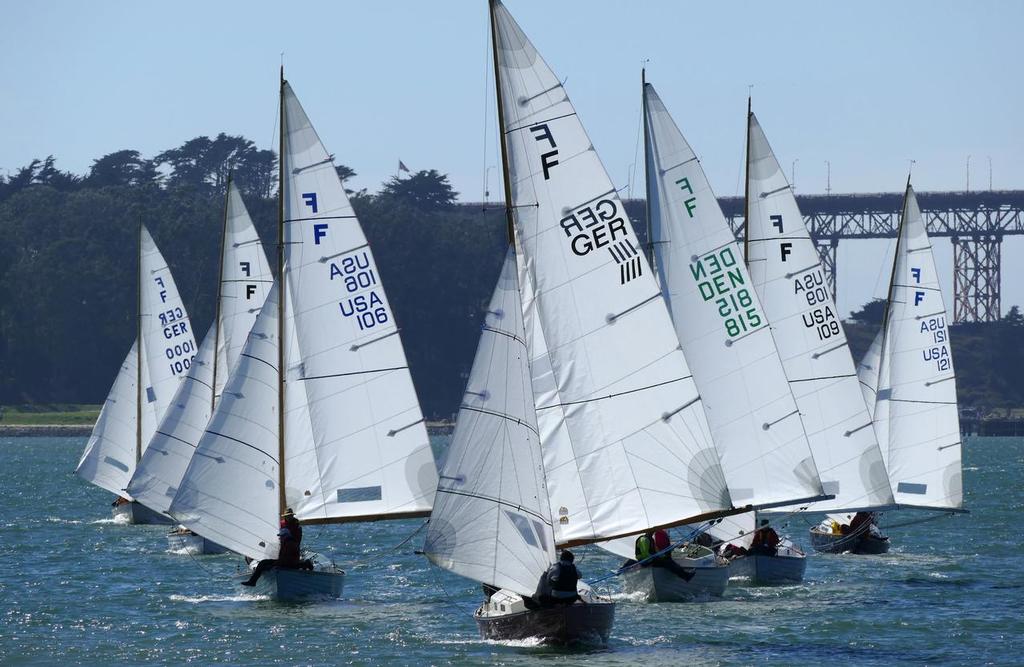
(77,588)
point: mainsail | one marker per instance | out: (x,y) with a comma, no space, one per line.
(243,284)
(789,280)
(916,407)
(722,327)
(625,440)
(165,346)
(335,431)
(492,520)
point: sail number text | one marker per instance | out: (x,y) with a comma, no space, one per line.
(932,328)
(822,317)
(361,301)
(179,354)
(719,277)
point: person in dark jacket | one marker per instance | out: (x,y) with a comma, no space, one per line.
(665,560)
(289,521)
(558,584)
(288,558)
(765,541)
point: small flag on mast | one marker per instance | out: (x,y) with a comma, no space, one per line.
(402,167)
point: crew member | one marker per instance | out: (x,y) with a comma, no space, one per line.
(558,584)
(288,558)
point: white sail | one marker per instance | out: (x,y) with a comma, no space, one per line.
(229,492)
(722,327)
(916,405)
(491,520)
(245,280)
(168,343)
(635,450)
(867,375)
(166,348)
(786,272)
(109,456)
(163,464)
(243,285)
(369,456)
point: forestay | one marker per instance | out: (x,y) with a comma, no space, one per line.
(722,327)
(368,456)
(244,281)
(790,282)
(916,402)
(635,450)
(491,520)
(229,493)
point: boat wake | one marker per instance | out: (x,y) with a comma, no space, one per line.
(57,519)
(199,599)
(530,642)
(120,519)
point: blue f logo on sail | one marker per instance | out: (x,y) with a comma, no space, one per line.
(310,200)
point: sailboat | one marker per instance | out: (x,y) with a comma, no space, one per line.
(755,423)
(908,380)
(244,280)
(320,414)
(580,422)
(149,376)
(787,275)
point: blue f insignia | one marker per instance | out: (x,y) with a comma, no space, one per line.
(310,199)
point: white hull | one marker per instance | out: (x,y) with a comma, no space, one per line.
(769,570)
(193,544)
(659,584)
(298,585)
(137,514)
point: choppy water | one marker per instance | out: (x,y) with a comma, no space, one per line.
(78,589)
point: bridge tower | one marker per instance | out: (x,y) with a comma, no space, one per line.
(976,277)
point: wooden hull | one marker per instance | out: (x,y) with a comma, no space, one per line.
(193,544)
(659,584)
(836,544)
(569,624)
(769,570)
(301,585)
(138,514)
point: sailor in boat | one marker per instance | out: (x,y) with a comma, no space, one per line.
(557,586)
(648,544)
(289,521)
(288,558)
(765,541)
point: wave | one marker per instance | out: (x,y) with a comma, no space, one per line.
(199,599)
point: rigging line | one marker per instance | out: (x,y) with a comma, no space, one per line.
(825,377)
(535,123)
(321,217)
(339,375)
(496,501)
(241,442)
(501,415)
(615,395)
(249,356)
(908,400)
(354,564)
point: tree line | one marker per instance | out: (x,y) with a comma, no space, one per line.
(67,270)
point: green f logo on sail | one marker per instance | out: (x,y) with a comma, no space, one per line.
(691,203)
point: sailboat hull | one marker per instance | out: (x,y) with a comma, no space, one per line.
(190,543)
(765,570)
(837,544)
(659,584)
(138,514)
(505,616)
(301,585)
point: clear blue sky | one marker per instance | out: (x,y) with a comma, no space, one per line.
(867,86)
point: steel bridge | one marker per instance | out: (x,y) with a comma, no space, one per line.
(975,222)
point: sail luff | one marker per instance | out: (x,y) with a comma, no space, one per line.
(220,293)
(282,501)
(506,182)
(138,351)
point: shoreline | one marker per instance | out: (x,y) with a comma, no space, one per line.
(84,430)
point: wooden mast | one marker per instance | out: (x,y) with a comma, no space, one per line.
(647,176)
(220,294)
(281,292)
(746,193)
(509,220)
(138,353)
